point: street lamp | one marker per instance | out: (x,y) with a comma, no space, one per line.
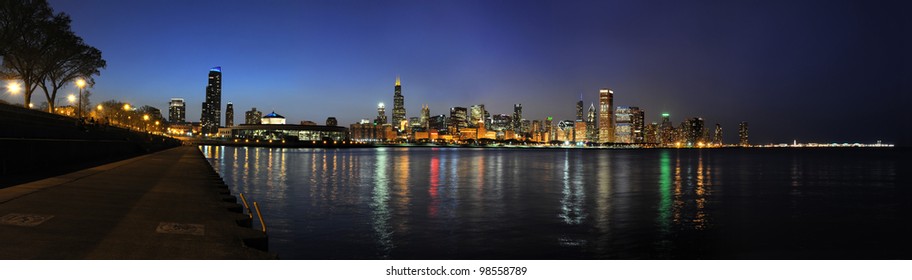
(81,84)
(146,124)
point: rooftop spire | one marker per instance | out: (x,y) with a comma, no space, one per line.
(397,81)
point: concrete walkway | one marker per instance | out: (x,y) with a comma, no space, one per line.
(166,205)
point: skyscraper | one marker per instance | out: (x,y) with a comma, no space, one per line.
(177,112)
(381,114)
(666,130)
(623,129)
(717,137)
(579,109)
(398,105)
(517,118)
(476,113)
(458,117)
(638,125)
(425,117)
(693,131)
(742,134)
(591,131)
(606,116)
(211,116)
(229,114)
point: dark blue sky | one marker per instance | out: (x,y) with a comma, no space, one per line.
(812,71)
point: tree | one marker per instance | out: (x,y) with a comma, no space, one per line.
(39,48)
(23,41)
(67,60)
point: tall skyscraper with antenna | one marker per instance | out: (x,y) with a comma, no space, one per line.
(398,105)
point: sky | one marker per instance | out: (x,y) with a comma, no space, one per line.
(812,71)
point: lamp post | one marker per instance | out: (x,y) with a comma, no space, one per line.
(81,84)
(146,122)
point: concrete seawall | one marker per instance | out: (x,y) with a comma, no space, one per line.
(166,205)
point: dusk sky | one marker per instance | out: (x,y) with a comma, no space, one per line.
(829,71)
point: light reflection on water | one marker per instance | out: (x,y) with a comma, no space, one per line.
(444,203)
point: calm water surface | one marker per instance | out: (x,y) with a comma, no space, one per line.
(448,203)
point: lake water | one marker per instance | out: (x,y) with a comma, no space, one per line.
(461,203)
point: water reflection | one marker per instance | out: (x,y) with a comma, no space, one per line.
(572,210)
(380,204)
(491,203)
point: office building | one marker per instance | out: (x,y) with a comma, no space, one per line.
(381,114)
(476,114)
(623,129)
(606,116)
(177,111)
(742,134)
(210,118)
(717,136)
(425,117)
(398,106)
(458,118)
(517,117)
(579,109)
(229,114)
(253,116)
(638,125)
(591,131)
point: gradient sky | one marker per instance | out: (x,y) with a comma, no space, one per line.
(833,71)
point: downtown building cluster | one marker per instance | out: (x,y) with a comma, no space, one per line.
(607,125)
(256,126)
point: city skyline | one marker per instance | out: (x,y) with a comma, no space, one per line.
(728,64)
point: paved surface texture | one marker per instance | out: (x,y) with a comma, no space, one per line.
(166,205)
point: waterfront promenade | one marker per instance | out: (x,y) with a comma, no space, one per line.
(164,205)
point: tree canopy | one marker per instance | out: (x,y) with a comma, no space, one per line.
(40,50)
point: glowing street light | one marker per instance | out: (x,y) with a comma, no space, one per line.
(81,84)
(99,107)
(126,107)
(13,87)
(71,98)
(146,117)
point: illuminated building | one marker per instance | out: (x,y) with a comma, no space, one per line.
(742,134)
(229,114)
(525,127)
(273,118)
(536,131)
(502,122)
(623,129)
(565,130)
(439,123)
(579,131)
(606,116)
(415,124)
(398,106)
(667,131)
(211,116)
(381,114)
(517,117)
(177,111)
(638,125)
(693,131)
(425,116)
(579,109)
(458,118)
(253,116)
(717,136)
(651,134)
(331,121)
(476,114)
(291,132)
(591,131)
